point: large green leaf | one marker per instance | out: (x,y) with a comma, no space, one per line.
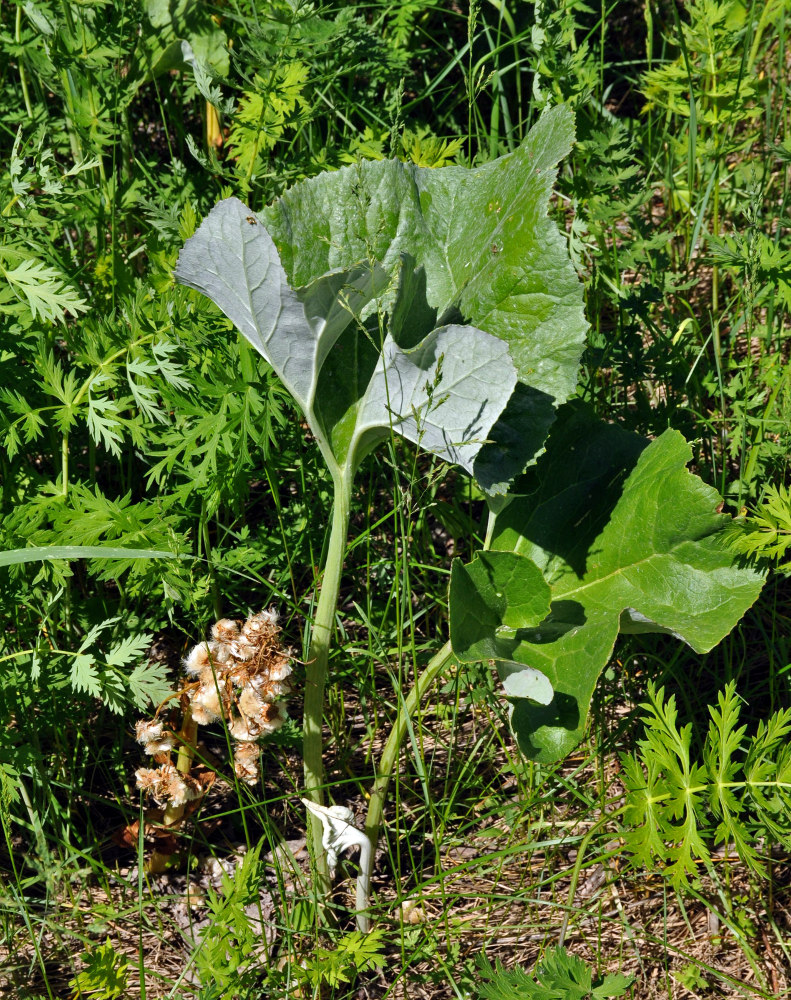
(626,540)
(328,341)
(391,297)
(482,236)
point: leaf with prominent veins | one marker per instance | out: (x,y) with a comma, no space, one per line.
(428,391)
(483,237)
(445,393)
(611,533)
(389,296)
(233,261)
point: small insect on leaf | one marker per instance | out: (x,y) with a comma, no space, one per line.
(251,220)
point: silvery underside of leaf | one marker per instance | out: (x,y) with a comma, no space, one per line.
(375,295)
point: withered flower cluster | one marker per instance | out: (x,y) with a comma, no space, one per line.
(166,784)
(240,676)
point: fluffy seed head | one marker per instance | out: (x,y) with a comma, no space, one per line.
(197,659)
(241,650)
(280,669)
(148,779)
(154,737)
(147,730)
(205,656)
(157,782)
(268,719)
(206,704)
(261,626)
(220,652)
(225,630)
(250,703)
(165,745)
(177,788)
(243,729)
(246,762)
(240,674)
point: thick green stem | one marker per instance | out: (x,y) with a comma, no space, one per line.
(316,675)
(390,754)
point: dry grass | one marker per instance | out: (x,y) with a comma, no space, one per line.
(496,880)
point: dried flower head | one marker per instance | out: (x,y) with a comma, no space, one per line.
(188,790)
(241,650)
(260,626)
(206,704)
(156,781)
(147,730)
(244,729)
(220,652)
(279,671)
(154,737)
(225,630)
(274,684)
(165,745)
(266,721)
(175,787)
(241,674)
(250,703)
(207,656)
(148,779)
(246,759)
(197,659)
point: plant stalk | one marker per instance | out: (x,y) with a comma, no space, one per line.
(316,676)
(390,754)
(406,710)
(362,898)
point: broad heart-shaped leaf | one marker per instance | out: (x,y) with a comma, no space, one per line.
(442,388)
(482,236)
(627,540)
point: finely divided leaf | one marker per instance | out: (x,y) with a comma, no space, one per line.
(558,976)
(103,423)
(149,684)
(44,290)
(627,540)
(671,799)
(84,676)
(128,649)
